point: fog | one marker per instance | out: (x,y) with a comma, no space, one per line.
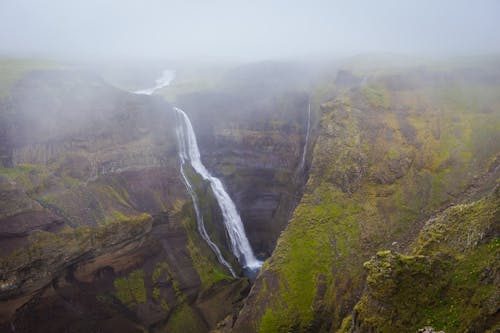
(249,30)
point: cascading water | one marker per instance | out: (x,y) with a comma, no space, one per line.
(161,82)
(183,155)
(189,151)
(304,151)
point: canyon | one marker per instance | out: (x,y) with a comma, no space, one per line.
(368,193)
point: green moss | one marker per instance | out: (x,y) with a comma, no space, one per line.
(385,160)
(377,96)
(324,223)
(161,272)
(271,322)
(156,292)
(447,294)
(12,70)
(164,305)
(177,288)
(31,177)
(449,281)
(70,243)
(117,196)
(346,326)
(130,290)
(184,319)
(20,170)
(204,265)
(459,228)
(208,268)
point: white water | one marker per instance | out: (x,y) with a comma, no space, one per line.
(164,80)
(189,151)
(304,151)
(199,217)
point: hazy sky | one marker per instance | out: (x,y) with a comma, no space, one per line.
(246,29)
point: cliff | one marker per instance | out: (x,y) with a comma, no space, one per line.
(97,230)
(392,151)
(390,225)
(251,128)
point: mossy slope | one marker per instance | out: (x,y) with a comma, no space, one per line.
(387,156)
(450,281)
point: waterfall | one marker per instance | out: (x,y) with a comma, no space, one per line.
(304,151)
(199,216)
(189,152)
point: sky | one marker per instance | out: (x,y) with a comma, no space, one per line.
(246,29)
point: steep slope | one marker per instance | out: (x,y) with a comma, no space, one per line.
(251,130)
(450,281)
(389,154)
(97,230)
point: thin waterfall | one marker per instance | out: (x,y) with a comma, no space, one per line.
(306,144)
(163,81)
(189,151)
(199,217)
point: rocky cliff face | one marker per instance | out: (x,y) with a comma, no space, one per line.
(397,228)
(251,131)
(450,278)
(97,232)
(389,154)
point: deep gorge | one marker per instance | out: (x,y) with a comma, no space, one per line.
(98,231)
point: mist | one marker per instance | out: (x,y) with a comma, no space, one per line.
(246,30)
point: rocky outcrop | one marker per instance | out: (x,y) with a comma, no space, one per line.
(400,209)
(97,232)
(252,138)
(385,161)
(450,279)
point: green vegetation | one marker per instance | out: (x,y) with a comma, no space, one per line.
(387,156)
(12,70)
(204,261)
(327,225)
(68,243)
(376,96)
(130,289)
(184,319)
(449,281)
(31,177)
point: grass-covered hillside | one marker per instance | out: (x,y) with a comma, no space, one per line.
(14,69)
(391,151)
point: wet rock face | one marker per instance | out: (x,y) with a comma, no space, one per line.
(97,232)
(254,144)
(384,161)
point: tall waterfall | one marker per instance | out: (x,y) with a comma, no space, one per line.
(304,151)
(189,151)
(199,217)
